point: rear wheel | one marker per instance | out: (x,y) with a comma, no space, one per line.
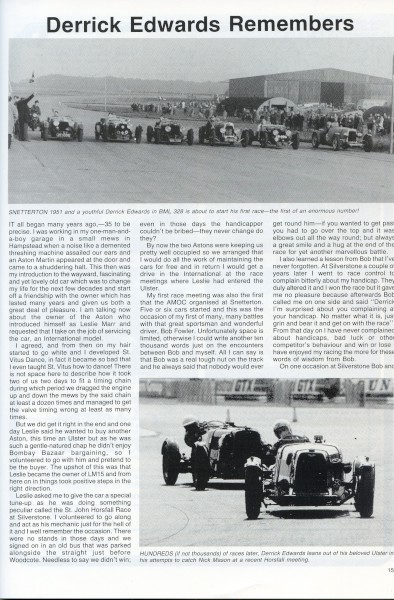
(96,134)
(80,134)
(253,492)
(45,134)
(190,137)
(201,135)
(263,139)
(200,467)
(245,138)
(138,134)
(171,462)
(365,493)
(368,143)
(315,140)
(336,144)
(157,136)
(149,134)
(295,141)
(212,138)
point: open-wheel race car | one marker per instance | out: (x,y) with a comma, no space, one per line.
(341,138)
(62,128)
(168,131)
(309,474)
(221,452)
(120,129)
(220,132)
(274,136)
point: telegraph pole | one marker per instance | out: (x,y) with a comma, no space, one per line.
(392,110)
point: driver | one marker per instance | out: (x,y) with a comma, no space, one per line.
(193,429)
(283,431)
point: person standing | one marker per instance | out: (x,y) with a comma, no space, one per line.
(23,117)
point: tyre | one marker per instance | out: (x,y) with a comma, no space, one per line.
(212,138)
(263,139)
(105,134)
(336,144)
(251,136)
(200,467)
(201,135)
(190,137)
(295,141)
(80,134)
(157,136)
(365,492)
(171,463)
(245,138)
(149,134)
(368,143)
(45,134)
(315,140)
(96,134)
(138,134)
(253,490)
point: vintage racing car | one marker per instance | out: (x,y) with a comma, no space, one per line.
(220,452)
(220,132)
(341,138)
(309,474)
(113,128)
(168,131)
(62,128)
(274,136)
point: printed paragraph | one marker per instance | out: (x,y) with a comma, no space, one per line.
(333,299)
(205,326)
(69,312)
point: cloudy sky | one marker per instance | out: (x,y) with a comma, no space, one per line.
(196,59)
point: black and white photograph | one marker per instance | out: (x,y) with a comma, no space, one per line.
(278,462)
(200,120)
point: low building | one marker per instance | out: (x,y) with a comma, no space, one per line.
(331,86)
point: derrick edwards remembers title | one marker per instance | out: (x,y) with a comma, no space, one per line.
(202,25)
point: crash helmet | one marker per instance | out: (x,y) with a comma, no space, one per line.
(190,420)
(280,427)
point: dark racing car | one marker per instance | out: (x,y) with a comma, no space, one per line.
(272,136)
(309,474)
(168,131)
(220,452)
(117,129)
(341,138)
(61,128)
(220,132)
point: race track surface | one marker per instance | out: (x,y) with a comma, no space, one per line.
(97,172)
(180,516)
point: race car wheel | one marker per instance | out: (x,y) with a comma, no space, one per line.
(212,138)
(171,462)
(200,467)
(251,136)
(138,134)
(315,140)
(97,135)
(45,134)
(365,493)
(157,136)
(368,143)
(201,135)
(336,144)
(80,134)
(245,138)
(295,141)
(149,134)
(190,137)
(263,139)
(105,134)
(252,491)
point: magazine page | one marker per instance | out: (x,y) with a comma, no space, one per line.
(197,302)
